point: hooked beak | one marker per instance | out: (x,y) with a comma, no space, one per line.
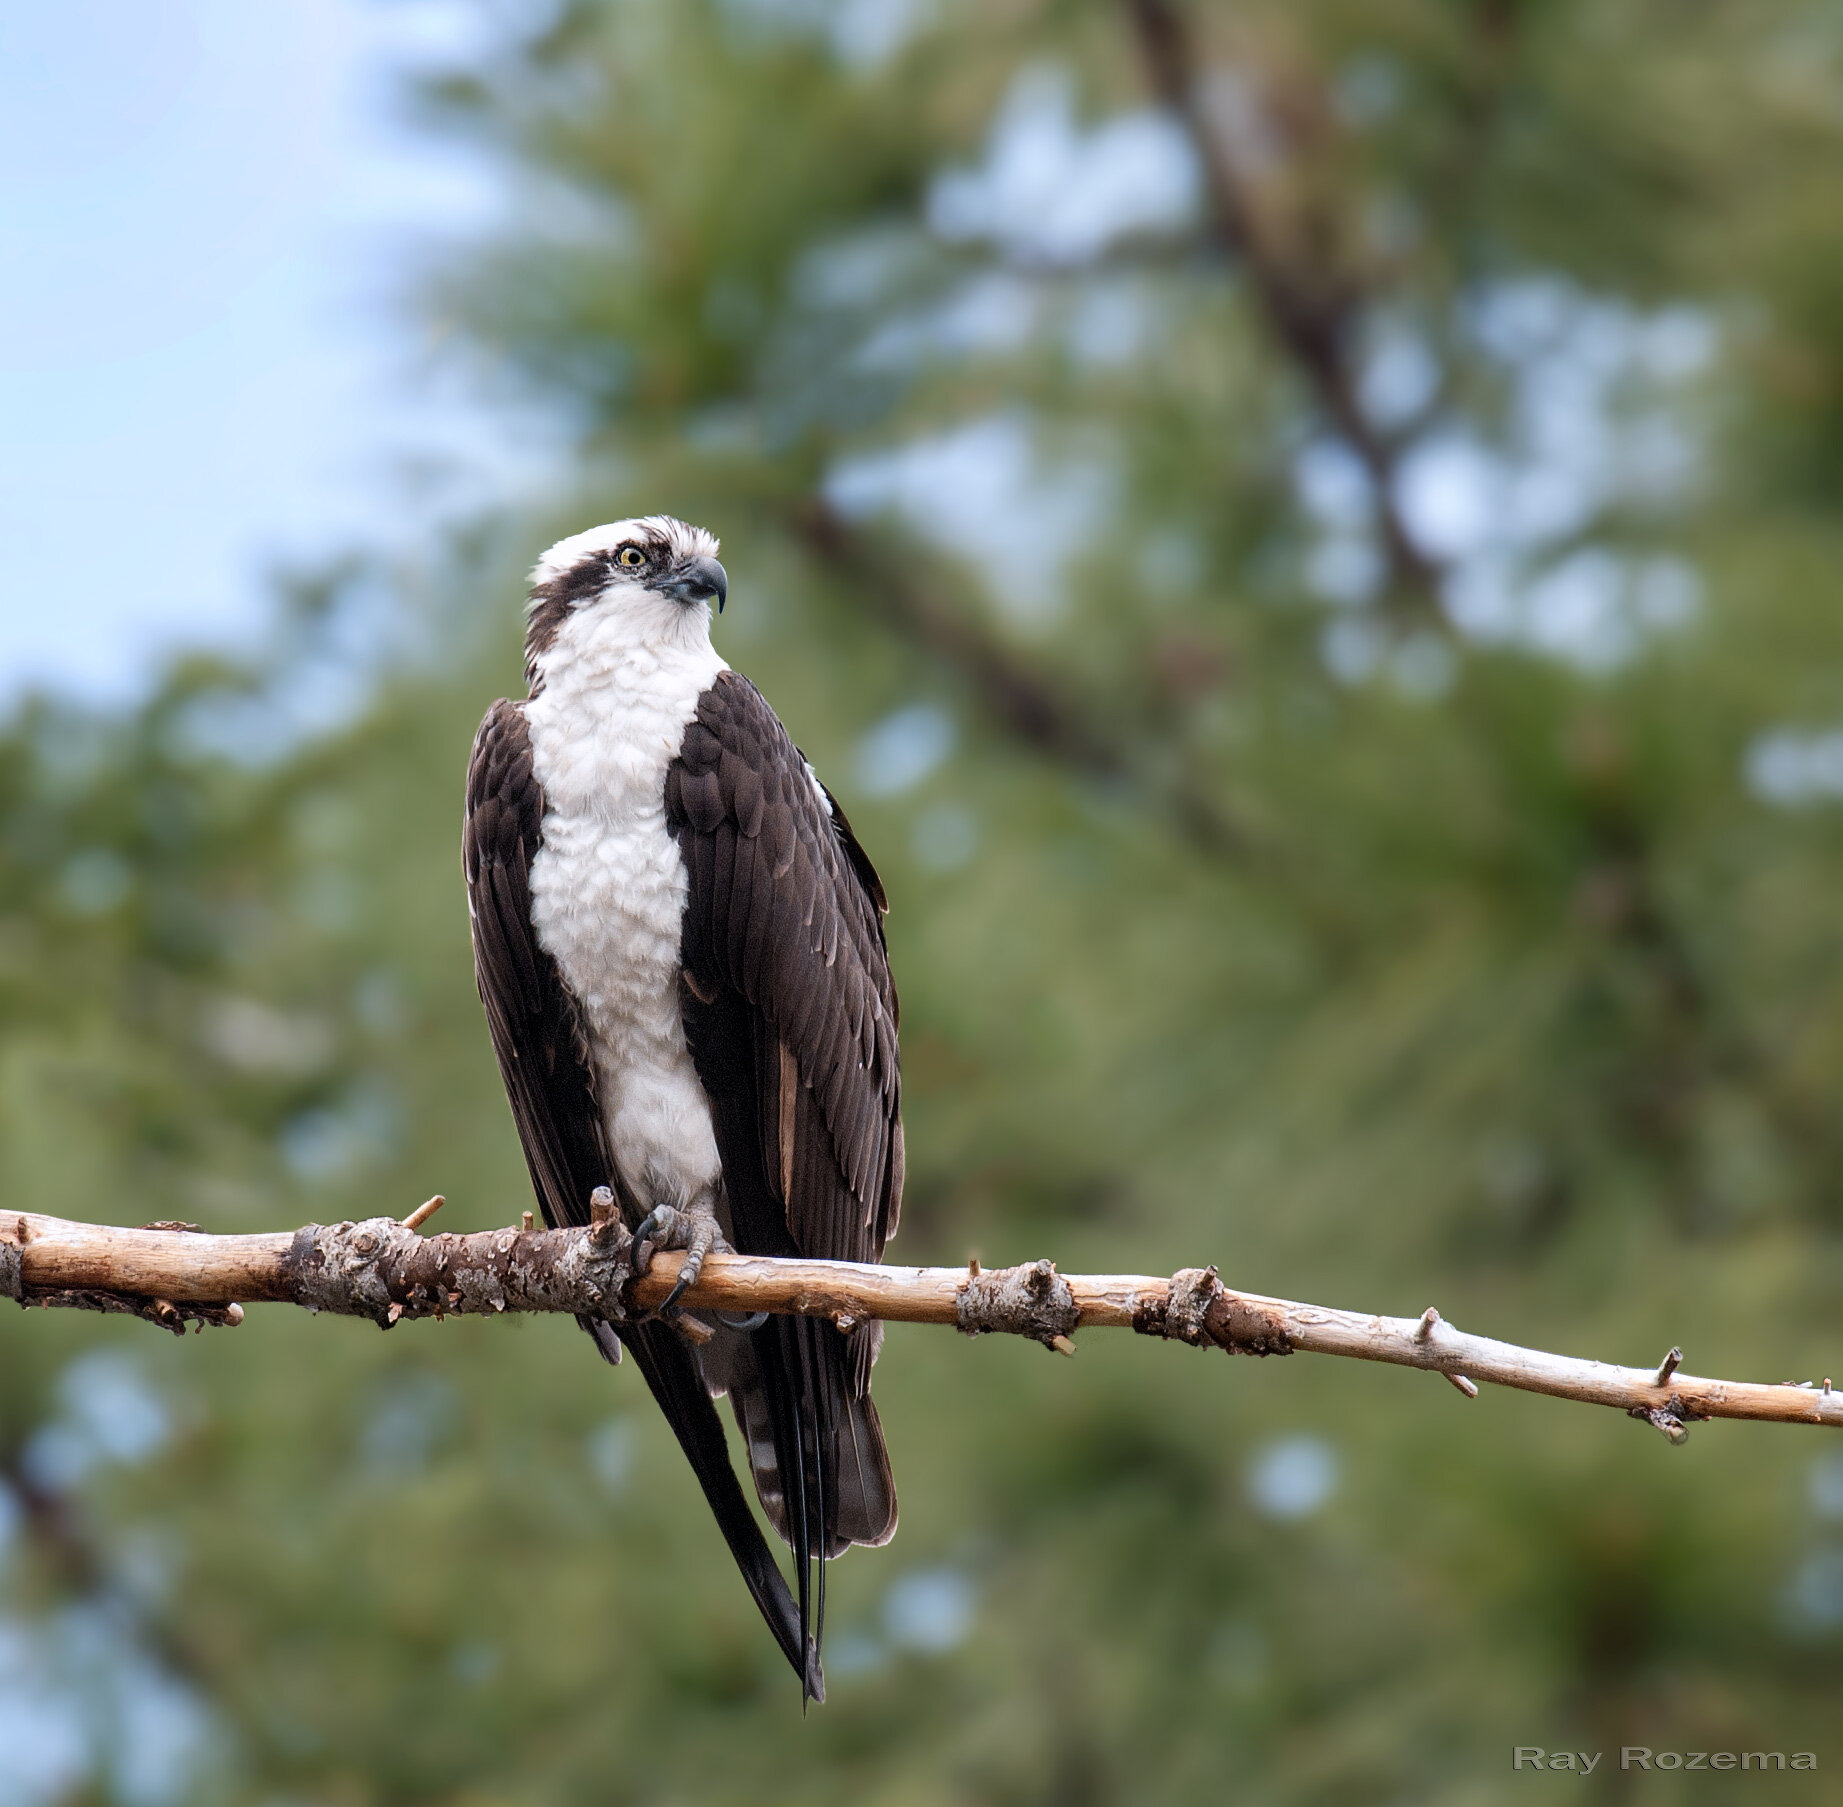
(698,580)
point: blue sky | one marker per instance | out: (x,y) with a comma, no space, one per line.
(209,213)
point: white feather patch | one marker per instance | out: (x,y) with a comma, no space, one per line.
(608,885)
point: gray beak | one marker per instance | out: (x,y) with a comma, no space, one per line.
(697,581)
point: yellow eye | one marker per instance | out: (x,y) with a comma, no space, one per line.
(632,557)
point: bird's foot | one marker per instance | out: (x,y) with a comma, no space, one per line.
(667,1227)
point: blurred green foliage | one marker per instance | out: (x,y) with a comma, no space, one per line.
(1324,610)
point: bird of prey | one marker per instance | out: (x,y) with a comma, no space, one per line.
(679,944)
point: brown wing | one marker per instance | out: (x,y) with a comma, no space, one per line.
(790,1016)
(550,1082)
(785,913)
(536,1027)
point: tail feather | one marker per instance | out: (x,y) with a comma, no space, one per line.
(671,1372)
(829,1414)
(779,1386)
(755,1419)
(866,1508)
(815,1425)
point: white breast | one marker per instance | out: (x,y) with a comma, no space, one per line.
(608,885)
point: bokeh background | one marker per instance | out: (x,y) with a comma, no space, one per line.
(1306,537)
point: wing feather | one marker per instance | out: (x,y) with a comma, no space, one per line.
(784,955)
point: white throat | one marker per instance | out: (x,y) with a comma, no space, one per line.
(617,687)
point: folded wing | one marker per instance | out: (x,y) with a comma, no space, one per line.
(791,1018)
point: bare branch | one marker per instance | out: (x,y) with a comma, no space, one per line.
(384,1271)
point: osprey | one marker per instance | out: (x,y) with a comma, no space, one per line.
(679,944)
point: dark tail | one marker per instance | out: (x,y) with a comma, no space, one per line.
(672,1373)
(791,1387)
(814,1446)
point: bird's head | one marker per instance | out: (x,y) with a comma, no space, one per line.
(646,582)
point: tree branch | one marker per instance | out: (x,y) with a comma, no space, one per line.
(1312,310)
(386,1271)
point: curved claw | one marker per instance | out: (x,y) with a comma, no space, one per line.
(754,1321)
(666,1227)
(687,1277)
(658,1230)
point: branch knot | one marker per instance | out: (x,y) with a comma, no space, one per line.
(1196,1308)
(1193,1291)
(1033,1300)
(339,1267)
(13,1264)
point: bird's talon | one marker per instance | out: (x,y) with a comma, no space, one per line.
(730,1321)
(666,1227)
(658,1229)
(687,1278)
